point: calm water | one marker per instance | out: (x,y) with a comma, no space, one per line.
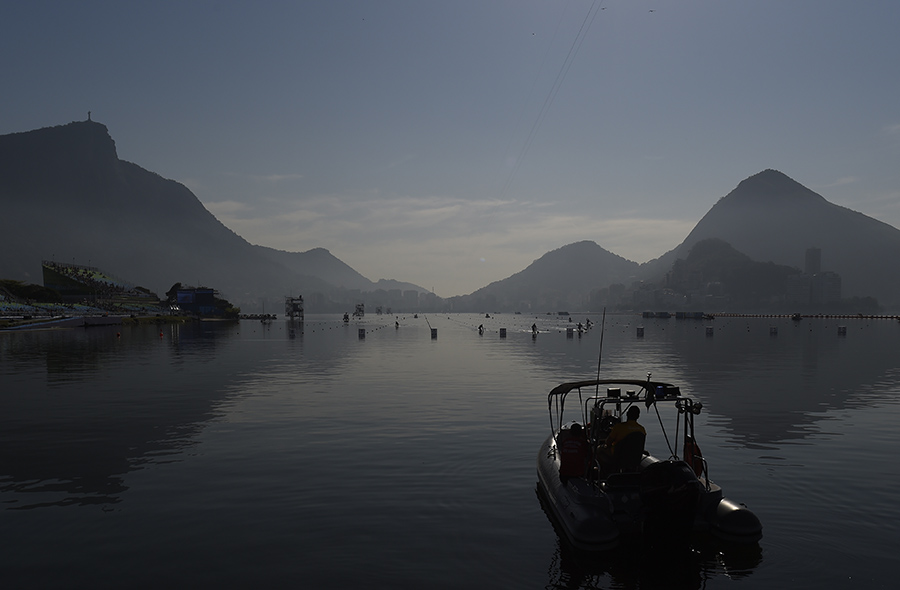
(242,455)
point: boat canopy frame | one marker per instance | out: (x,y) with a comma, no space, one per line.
(648,392)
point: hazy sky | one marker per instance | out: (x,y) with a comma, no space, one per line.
(450,144)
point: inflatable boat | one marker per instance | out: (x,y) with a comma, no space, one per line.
(602,488)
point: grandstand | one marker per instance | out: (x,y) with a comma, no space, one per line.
(13,305)
(83,291)
(87,284)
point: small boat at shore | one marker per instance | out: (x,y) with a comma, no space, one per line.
(631,494)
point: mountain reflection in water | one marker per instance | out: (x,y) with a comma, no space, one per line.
(259,454)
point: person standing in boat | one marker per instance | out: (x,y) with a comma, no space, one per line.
(574,453)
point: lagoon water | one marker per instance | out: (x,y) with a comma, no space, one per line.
(248,455)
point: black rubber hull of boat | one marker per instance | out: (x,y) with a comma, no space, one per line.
(732,522)
(596,521)
(584,518)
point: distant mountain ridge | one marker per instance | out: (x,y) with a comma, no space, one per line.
(764,226)
(324,265)
(558,280)
(67,196)
(771,217)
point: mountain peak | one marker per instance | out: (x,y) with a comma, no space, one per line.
(73,159)
(770,187)
(772,218)
(82,136)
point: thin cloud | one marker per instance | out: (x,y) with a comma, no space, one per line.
(843,181)
(268,178)
(428,240)
(402,160)
(278,177)
(451,244)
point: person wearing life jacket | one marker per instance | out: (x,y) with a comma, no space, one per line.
(607,451)
(623,429)
(574,453)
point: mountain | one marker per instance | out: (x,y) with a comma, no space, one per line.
(773,218)
(559,280)
(66,196)
(320,263)
(749,241)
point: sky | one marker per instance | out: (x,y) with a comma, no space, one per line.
(451,144)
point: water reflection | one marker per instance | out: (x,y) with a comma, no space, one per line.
(640,567)
(99,411)
(327,455)
(768,387)
(82,408)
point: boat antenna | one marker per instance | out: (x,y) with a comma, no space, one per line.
(600,354)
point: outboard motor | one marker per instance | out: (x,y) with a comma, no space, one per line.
(670,493)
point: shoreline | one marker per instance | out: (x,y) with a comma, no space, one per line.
(64,323)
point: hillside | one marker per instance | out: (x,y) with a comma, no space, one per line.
(559,280)
(319,263)
(67,196)
(772,218)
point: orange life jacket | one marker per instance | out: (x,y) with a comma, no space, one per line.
(573,455)
(693,456)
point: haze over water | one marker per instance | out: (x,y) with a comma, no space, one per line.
(242,454)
